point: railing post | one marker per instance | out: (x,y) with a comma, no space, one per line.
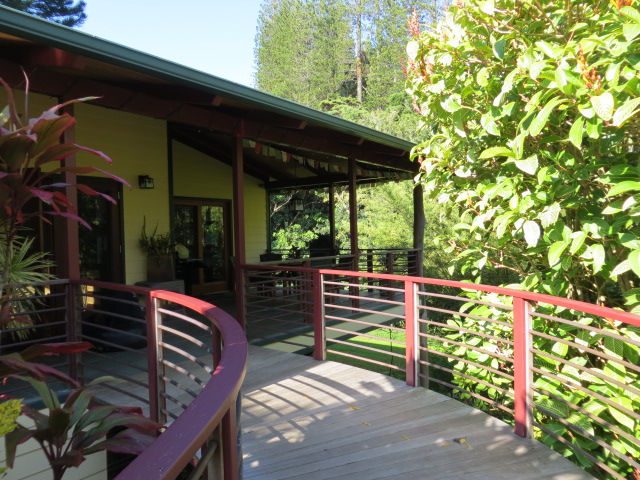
(230,457)
(153,357)
(319,340)
(522,363)
(411,332)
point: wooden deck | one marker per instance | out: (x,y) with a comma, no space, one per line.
(303,419)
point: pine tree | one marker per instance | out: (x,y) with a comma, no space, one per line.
(65,12)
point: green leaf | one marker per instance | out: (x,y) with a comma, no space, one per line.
(623,187)
(413,47)
(482,77)
(528,165)
(630,31)
(621,268)
(615,347)
(555,252)
(561,77)
(550,215)
(451,103)
(603,105)
(9,413)
(576,132)
(543,115)
(458,123)
(626,111)
(531,233)
(599,257)
(634,261)
(577,242)
(631,13)
(547,49)
(498,48)
(490,125)
(536,68)
(496,152)
(622,417)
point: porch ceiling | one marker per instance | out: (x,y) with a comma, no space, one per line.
(286,144)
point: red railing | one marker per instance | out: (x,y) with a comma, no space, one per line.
(180,359)
(563,371)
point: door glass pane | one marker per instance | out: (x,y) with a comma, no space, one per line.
(186,232)
(213,243)
(95,244)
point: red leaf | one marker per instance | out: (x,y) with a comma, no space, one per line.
(49,130)
(49,349)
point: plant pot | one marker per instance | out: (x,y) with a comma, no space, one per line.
(160,269)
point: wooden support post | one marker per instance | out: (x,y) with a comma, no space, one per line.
(332,218)
(522,363)
(353,226)
(67,249)
(238,228)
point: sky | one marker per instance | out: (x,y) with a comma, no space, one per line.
(215,36)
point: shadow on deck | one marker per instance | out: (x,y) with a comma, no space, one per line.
(304,419)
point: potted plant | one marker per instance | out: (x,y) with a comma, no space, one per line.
(159,250)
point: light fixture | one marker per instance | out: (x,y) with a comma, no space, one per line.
(145,182)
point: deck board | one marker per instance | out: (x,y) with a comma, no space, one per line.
(324,420)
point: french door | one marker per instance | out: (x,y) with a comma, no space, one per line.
(100,247)
(203,227)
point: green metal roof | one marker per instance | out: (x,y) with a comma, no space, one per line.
(52,34)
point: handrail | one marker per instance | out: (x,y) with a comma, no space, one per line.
(214,406)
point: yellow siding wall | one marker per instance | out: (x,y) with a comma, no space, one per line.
(138,146)
(198,175)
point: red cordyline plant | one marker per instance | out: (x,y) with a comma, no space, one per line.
(69,431)
(31,167)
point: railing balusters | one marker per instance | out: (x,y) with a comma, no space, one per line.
(522,363)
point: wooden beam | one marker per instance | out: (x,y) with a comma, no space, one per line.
(54,57)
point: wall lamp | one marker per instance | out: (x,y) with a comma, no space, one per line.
(145,182)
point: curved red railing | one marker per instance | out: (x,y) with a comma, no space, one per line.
(209,422)
(216,404)
(563,371)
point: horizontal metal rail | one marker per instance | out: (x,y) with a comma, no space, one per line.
(560,370)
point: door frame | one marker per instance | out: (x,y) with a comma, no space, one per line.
(217,286)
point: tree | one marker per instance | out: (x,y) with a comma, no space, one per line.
(534,109)
(302,49)
(324,53)
(65,12)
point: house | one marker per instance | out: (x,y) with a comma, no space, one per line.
(201,153)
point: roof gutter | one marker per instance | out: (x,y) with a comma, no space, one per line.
(52,34)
